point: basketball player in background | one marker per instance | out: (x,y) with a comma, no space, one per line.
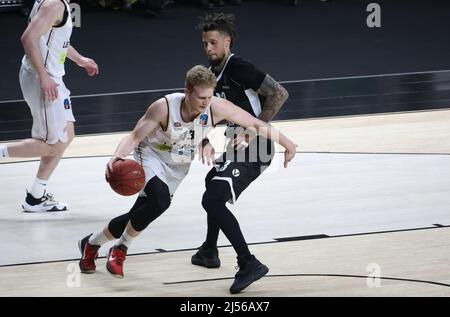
(259,95)
(165,140)
(46,42)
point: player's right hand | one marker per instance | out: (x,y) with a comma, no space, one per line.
(289,154)
(109,166)
(49,87)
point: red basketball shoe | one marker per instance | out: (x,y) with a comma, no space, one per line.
(116,257)
(89,254)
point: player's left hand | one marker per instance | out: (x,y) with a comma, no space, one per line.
(90,65)
(206,153)
(243,138)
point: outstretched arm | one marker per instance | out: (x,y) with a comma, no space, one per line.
(276,95)
(225,110)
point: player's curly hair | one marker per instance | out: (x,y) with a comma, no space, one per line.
(222,22)
(199,75)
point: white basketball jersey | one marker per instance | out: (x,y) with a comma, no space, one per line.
(53,44)
(168,154)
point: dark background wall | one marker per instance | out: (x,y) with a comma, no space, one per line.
(313,40)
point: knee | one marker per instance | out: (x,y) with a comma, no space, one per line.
(148,212)
(161,202)
(211,201)
(117,225)
(53,149)
(158,194)
(63,146)
(206,201)
(59,147)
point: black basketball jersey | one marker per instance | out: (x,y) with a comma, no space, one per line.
(239,82)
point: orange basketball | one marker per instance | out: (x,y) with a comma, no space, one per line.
(127,177)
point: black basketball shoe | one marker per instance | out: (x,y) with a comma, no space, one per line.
(207,257)
(250,270)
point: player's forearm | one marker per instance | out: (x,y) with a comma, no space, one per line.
(73,55)
(275,97)
(31,48)
(272,107)
(126,146)
(269,132)
(273,104)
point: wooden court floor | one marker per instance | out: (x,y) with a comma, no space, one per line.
(410,263)
(367,252)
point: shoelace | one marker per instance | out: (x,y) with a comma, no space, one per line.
(49,197)
(91,251)
(119,255)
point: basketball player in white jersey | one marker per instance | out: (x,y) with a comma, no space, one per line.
(165,140)
(46,42)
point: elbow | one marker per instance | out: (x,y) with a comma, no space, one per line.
(284,94)
(24,39)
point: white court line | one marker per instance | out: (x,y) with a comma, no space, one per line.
(367,76)
(107,94)
(355,115)
(281,82)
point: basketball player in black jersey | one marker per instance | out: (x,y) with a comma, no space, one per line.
(246,156)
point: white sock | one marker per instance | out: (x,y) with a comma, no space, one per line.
(4,151)
(39,188)
(125,239)
(98,238)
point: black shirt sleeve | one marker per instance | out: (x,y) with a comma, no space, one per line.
(245,73)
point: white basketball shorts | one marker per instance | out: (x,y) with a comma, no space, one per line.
(49,118)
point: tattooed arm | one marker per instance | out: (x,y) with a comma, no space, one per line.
(275,94)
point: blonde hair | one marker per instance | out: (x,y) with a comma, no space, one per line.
(199,75)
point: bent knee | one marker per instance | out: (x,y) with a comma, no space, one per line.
(158,194)
(208,204)
(55,148)
(162,203)
(159,200)
(212,200)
